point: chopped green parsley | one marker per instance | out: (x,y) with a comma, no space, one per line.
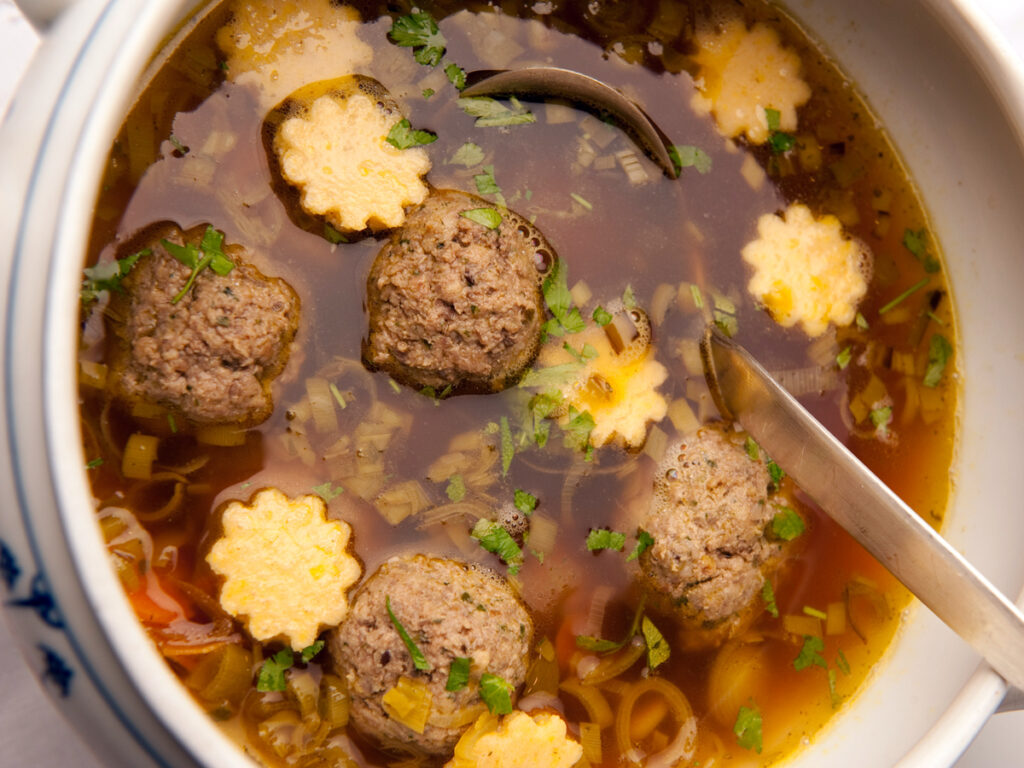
(419,31)
(209,253)
(602,316)
(577,431)
(418,659)
(485,217)
(456,75)
(491,113)
(939,352)
(657,646)
(602,538)
(328,491)
(468,155)
(458,674)
(644,541)
(904,296)
(508,448)
(779,141)
(752,448)
(686,156)
(310,651)
(332,235)
(496,540)
(271,676)
(748,728)
(810,654)
(496,693)
(555,288)
(485,182)
(768,596)
(917,244)
(402,135)
(787,524)
(844,357)
(629,298)
(108,276)
(456,489)
(525,502)
(881,418)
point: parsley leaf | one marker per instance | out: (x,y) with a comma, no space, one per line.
(880,419)
(552,376)
(524,502)
(555,288)
(775,473)
(577,431)
(844,357)
(810,654)
(402,135)
(644,541)
(917,244)
(508,448)
(657,646)
(748,727)
(842,663)
(332,235)
(939,352)
(787,524)
(752,448)
(496,693)
(458,674)
(485,182)
(311,651)
(108,276)
(456,75)
(629,298)
(271,677)
(486,217)
(779,141)
(602,316)
(768,596)
(602,538)
(327,491)
(468,155)
(496,540)
(418,659)
(492,113)
(209,253)
(456,489)
(597,644)
(419,31)
(686,156)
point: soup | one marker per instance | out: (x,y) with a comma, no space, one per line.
(437,480)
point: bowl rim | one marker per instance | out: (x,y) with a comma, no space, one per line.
(162,690)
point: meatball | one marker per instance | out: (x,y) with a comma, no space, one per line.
(450,610)
(207,353)
(708,518)
(454,303)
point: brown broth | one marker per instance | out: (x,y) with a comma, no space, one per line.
(643,236)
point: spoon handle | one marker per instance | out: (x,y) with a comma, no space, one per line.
(862,504)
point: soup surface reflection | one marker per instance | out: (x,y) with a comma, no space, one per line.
(657,590)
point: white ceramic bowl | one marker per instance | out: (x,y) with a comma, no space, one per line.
(953,103)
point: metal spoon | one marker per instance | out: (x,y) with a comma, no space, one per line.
(856,499)
(558,83)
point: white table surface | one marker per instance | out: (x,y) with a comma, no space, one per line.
(32,732)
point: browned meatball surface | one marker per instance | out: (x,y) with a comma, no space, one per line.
(208,353)
(450,610)
(455,303)
(709,519)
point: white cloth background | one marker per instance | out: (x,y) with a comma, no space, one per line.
(32,732)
